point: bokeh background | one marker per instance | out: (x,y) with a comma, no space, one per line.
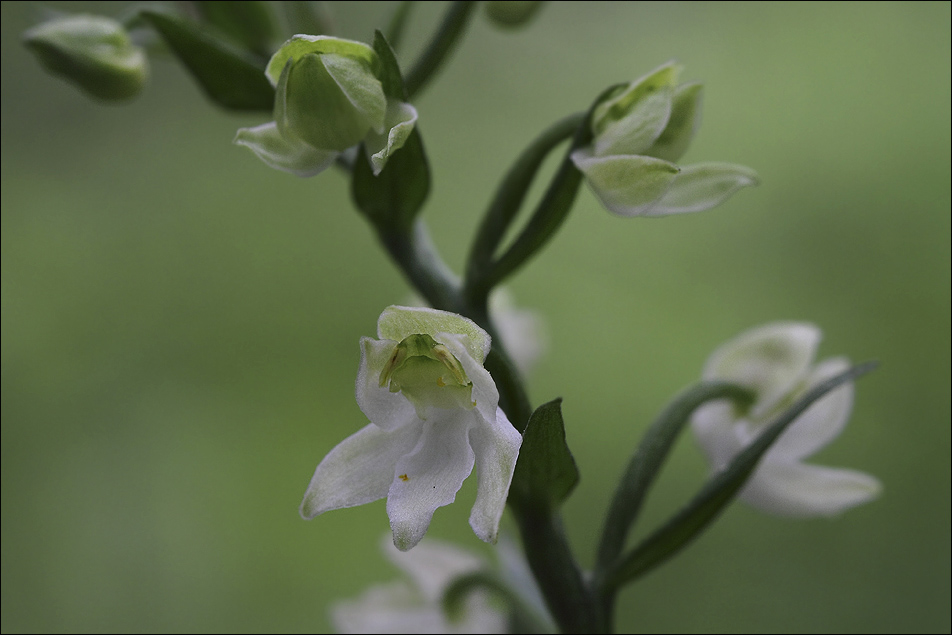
(180,323)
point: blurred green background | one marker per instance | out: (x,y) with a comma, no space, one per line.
(180,323)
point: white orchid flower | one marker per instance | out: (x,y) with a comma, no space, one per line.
(434,414)
(415,604)
(776,362)
(640,131)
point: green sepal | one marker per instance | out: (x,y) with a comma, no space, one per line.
(392,199)
(648,459)
(301,45)
(714,496)
(390,75)
(683,122)
(229,77)
(250,24)
(545,472)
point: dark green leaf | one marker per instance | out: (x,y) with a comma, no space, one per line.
(546,471)
(390,72)
(250,24)
(717,492)
(392,199)
(229,78)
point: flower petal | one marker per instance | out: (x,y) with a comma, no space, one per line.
(702,186)
(631,121)
(496,444)
(387,410)
(359,470)
(288,155)
(399,322)
(682,124)
(399,123)
(485,394)
(797,489)
(430,475)
(714,428)
(628,185)
(301,45)
(822,422)
(770,359)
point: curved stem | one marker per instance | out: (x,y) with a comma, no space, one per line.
(508,199)
(436,52)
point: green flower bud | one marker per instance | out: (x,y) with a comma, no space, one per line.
(328,97)
(94,52)
(639,131)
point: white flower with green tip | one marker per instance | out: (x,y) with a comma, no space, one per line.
(434,414)
(776,362)
(639,133)
(328,98)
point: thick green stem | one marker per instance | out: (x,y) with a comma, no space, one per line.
(442,43)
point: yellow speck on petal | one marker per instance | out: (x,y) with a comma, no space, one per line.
(474,404)
(404,477)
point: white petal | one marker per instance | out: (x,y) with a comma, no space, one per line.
(628,184)
(359,470)
(430,475)
(388,410)
(399,322)
(715,430)
(701,186)
(400,121)
(797,489)
(822,422)
(497,446)
(433,565)
(485,393)
(771,359)
(288,155)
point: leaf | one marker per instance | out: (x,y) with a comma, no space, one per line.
(545,470)
(251,24)
(228,77)
(392,199)
(717,492)
(390,75)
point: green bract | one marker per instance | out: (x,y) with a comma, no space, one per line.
(639,131)
(328,98)
(93,52)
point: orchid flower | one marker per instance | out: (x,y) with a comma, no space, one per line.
(776,362)
(414,604)
(639,131)
(433,413)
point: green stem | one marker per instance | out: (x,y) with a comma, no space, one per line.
(508,199)
(416,255)
(398,24)
(442,43)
